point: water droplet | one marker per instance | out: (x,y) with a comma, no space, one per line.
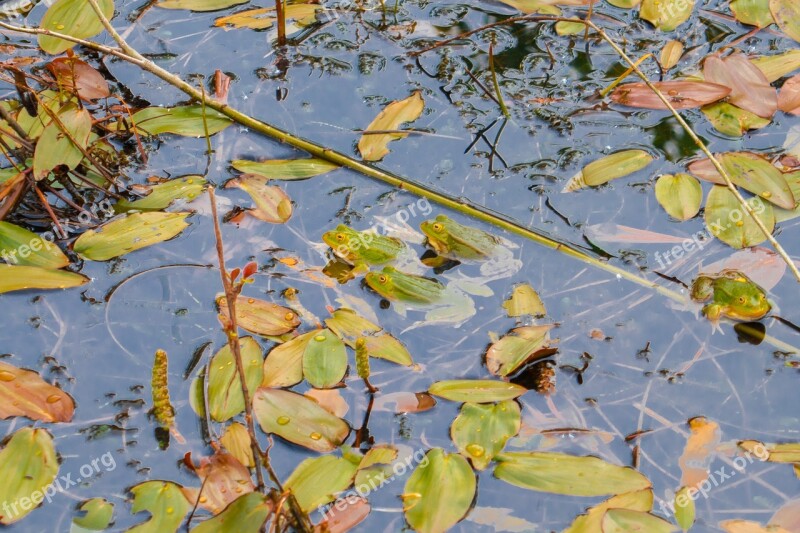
(288,316)
(203,499)
(53,398)
(250,300)
(315,436)
(170,510)
(190,181)
(319,338)
(283,420)
(60,26)
(7,376)
(475,450)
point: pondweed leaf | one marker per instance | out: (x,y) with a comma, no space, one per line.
(199,5)
(592,520)
(439,492)
(776,66)
(750,89)
(273,205)
(608,168)
(344,517)
(19,246)
(223,478)
(787,15)
(349,326)
(726,219)
(684,508)
(480,431)
(72,17)
(731,120)
(17,278)
(748,526)
(476,390)
(752,12)
(324,360)
(671,54)
(680,94)
(263,18)
(285,169)
(25,393)
(786,452)
(373,147)
(161,196)
(56,148)
(246,514)
(225,398)
(680,195)
(28,464)
(261,317)
(789,97)
(187,121)
(298,419)
(97,515)
(317,480)
(666,15)
(129,233)
(283,366)
(74,75)
(236,440)
(165,502)
(627,520)
(521,345)
(524,301)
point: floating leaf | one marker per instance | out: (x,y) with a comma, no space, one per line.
(317,480)
(607,168)
(572,475)
(696,458)
(199,5)
(789,97)
(56,148)
(728,221)
(748,526)
(752,12)
(524,301)
(19,246)
(684,508)
(129,233)
(28,464)
(680,195)
(185,120)
(74,75)
(566,27)
(750,89)
(625,4)
(788,516)
(298,419)
(680,94)
(787,452)
(161,196)
(246,514)
(480,431)
(165,502)
(671,54)
(776,66)
(261,317)
(591,522)
(223,478)
(97,515)
(519,346)
(375,147)
(285,169)
(17,278)
(273,205)
(629,521)
(752,172)
(439,492)
(666,15)
(349,326)
(236,440)
(787,16)
(476,390)
(343,516)
(72,17)
(330,399)
(263,18)
(283,366)
(324,360)
(225,398)
(405,402)
(731,120)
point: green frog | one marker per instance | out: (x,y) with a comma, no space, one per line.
(452,240)
(732,294)
(443,303)
(362,249)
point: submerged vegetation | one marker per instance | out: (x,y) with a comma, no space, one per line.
(445,429)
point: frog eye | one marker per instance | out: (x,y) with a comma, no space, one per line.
(437,227)
(340,237)
(382,278)
(741,300)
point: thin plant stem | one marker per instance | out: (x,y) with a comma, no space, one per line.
(280,15)
(496,84)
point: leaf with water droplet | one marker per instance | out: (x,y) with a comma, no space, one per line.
(225,398)
(25,393)
(223,479)
(260,316)
(727,220)
(165,502)
(96,516)
(324,360)
(480,431)
(72,17)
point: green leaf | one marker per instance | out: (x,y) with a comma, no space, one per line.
(28,465)
(666,15)
(476,390)
(732,120)
(752,12)
(261,317)
(608,168)
(480,431)
(17,278)
(317,480)
(591,522)
(684,509)
(518,347)
(728,221)
(628,521)
(199,5)
(777,66)
(283,366)
(75,18)
(20,246)
(625,4)
(166,504)
(524,300)
(161,196)
(246,514)
(787,16)
(184,120)
(680,195)
(298,419)
(349,326)
(129,233)
(559,473)
(566,27)
(285,169)
(273,205)
(97,515)
(54,148)
(324,360)
(439,492)
(225,398)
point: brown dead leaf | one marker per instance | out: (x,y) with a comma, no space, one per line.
(789,97)
(74,75)
(25,393)
(331,400)
(748,526)
(404,402)
(344,515)
(610,232)
(223,479)
(273,205)
(750,89)
(696,457)
(681,94)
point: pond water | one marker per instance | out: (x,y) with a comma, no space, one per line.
(97,342)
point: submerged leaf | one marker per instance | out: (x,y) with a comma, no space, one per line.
(285,169)
(680,195)
(72,17)
(246,514)
(273,205)
(28,464)
(610,167)
(373,147)
(129,233)
(165,502)
(480,431)
(680,94)
(25,393)
(225,398)
(439,492)
(19,246)
(476,390)
(727,220)
(17,278)
(697,454)
(317,480)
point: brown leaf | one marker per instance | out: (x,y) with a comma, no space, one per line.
(750,89)
(405,402)
(25,393)
(610,232)
(789,97)
(73,75)
(681,94)
(223,479)
(344,516)
(748,526)
(696,457)
(788,516)
(331,400)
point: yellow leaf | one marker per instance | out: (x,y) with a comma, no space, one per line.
(373,147)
